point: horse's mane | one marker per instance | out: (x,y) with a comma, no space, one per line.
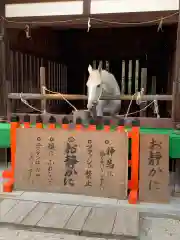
(109,81)
(106,78)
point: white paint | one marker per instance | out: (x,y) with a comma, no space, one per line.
(97,7)
(44,9)
(127,6)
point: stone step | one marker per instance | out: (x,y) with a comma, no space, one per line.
(40,234)
(100,221)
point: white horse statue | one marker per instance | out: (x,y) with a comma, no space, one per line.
(101,82)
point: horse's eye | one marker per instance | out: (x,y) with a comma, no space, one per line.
(98,85)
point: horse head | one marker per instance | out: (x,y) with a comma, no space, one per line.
(94,86)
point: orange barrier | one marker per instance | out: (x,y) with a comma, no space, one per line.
(133,183)
(9,174)
(134,162)
(15,123)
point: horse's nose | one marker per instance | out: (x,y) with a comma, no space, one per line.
(89,106)
(94,103)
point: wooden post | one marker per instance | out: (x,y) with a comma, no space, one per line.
(176,82)
(94,64)
(136,75)
(3,90)
(9,101)
(144,86)
(107,66)
(130,77)
(86,7)
(43,91)
(153,90)
(3,86)
(123,77)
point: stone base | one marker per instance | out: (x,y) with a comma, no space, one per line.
(90,216)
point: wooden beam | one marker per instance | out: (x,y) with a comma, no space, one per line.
(61,21)
(42,85)
(176,83)
(86,7)
(38,96)
(34,1)
(144,86)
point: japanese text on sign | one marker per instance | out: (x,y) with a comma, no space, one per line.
(154,164)
(30,168)
(38,158)
(70,162)
(106,162)
(88,170)
(51,148)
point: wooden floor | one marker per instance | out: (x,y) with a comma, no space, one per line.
(104,221)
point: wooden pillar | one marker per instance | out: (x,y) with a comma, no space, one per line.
(86,7)
(176,82)
(144,86)
(43,91)
(3,90)
(3,86)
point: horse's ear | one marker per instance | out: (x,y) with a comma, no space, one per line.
(100,66)
(90,69)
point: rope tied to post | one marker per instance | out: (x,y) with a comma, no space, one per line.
(156,108)
(138,96)
(27,104)
(70,104)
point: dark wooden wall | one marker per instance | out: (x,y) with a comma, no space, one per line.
(111,43)
(77,48)
(43,42)
(154,49)
(117,41)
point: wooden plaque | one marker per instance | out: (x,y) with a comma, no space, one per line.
(82,162)
(154,168)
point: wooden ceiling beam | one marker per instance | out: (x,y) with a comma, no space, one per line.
(86,7)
